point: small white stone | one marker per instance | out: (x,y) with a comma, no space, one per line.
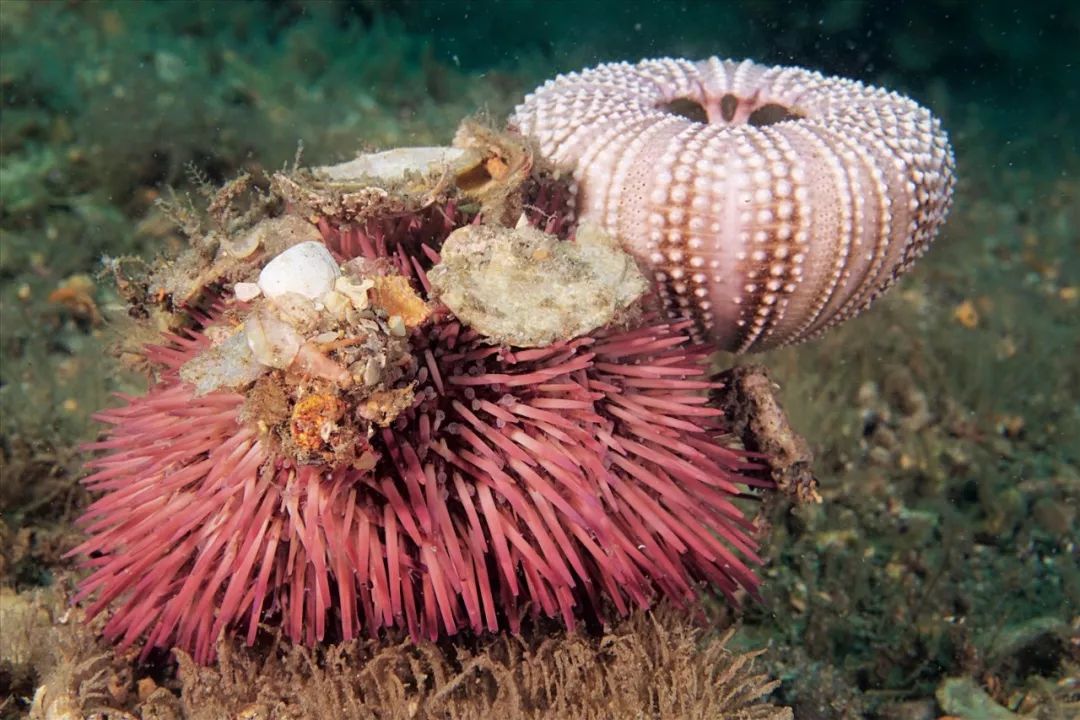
(355,290)
(307,269)
(396,325)
(246,291)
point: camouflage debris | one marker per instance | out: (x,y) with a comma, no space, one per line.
(525,288)
(218,257)
(394,166)
(748,398)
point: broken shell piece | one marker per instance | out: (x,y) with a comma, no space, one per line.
(396,326)
(311,362)
(245,245)
(526,288)
(307,269)
(392,165)
(336,304)
(246,291)
(355,290)
(394,295)
(373,370)
(273,342)
(229,364)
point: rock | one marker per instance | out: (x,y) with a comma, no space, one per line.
(307,269)
(1034,647)
(963,698)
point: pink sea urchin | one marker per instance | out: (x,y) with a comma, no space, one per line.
(567,481)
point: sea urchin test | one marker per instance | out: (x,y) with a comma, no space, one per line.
(769,203)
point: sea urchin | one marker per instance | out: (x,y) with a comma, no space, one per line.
(568,481)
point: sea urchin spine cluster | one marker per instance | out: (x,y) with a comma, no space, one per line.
(571,480)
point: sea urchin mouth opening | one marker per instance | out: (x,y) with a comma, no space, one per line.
(730,110)
(688,108)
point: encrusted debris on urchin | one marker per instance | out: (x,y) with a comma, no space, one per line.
(770,203)
(526,288)
(419,476)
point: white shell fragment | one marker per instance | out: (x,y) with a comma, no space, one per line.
(396,325)
(307,269)
(246,291)
(525,288)
(391,166)
(229,364)
(355,290)
(272,341)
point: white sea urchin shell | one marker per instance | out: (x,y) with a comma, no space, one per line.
(786,207)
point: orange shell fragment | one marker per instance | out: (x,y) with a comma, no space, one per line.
(394,294)
(313,420)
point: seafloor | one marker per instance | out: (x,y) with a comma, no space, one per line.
(939,576)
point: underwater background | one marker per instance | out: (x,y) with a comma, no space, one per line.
(939,576)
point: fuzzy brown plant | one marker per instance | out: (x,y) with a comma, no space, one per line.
(53,665)
(653,665)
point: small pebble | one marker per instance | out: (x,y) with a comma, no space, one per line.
(306,269)
(246,291)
